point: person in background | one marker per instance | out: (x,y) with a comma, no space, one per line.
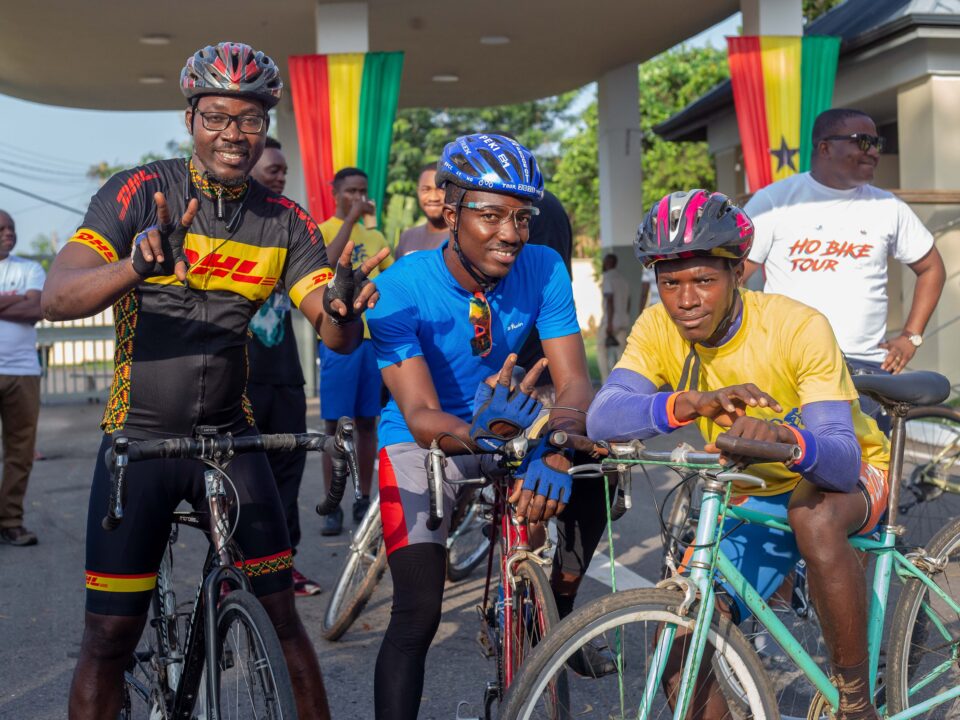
(615,321)
(551,228)
(433,232)
(823,238)
(275,378)
(350,384)
(21,281)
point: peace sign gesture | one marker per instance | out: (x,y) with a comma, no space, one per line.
(346,296)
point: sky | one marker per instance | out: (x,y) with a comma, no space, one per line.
(47,151)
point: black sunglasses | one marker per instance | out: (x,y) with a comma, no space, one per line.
(863,140)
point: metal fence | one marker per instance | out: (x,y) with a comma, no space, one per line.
(76,358)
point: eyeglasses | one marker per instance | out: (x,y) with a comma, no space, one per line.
(863,141)
(215,122)
(499,215)
(482,342)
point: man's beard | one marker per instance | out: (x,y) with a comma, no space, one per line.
(226,182)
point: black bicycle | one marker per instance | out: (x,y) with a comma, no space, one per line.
(222,658)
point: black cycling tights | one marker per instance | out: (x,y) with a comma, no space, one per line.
(418,573)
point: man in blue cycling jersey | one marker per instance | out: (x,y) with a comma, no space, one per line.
(767,368)
(447,319)
(182,302)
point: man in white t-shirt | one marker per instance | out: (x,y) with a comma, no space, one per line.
(823,238)
(20,284)
(615,322)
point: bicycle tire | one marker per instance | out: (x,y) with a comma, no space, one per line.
(253,679)
(602,696)
(924,633)
(150,677)
(468,545)
(364,566)
(534,616)
(930,490)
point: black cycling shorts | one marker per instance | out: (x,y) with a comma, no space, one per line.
(122,564)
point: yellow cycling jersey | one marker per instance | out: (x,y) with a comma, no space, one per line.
(783,347)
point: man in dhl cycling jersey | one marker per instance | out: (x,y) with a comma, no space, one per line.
(186,250)
(768,368)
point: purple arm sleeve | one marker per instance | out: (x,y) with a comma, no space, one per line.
(628,407)
(831,459)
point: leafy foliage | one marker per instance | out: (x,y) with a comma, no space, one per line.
(103,171)
(812,9)
(668,83)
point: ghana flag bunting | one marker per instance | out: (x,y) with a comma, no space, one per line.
(780,85)
(344,105)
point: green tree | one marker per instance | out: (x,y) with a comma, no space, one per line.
(103,171)
(668,83)
(419,134)
(812,9)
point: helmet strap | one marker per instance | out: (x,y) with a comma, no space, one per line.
(728,319)
(486,283)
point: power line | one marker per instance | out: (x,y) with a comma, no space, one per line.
(40,197)
(33,156)
(42,168)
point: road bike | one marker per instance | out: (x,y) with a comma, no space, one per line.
(221,658)
(920,674)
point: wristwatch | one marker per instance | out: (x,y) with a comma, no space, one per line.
(915,339)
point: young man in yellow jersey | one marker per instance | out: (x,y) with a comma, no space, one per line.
(767,368)
(350,384)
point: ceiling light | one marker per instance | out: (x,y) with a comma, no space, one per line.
(151,79)
(446,78)
(494,40)
(155,39)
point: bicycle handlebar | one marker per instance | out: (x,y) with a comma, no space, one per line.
(210,446)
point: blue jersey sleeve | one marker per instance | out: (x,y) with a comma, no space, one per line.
(558,313)
(394,322)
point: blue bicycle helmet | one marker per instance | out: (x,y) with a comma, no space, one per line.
(493,163)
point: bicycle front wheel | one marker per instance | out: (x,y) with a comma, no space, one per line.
(930,489)
(254,682)
(924,642)
(629,624)
(470,532)
(365,564)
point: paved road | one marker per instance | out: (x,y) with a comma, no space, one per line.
(41,589)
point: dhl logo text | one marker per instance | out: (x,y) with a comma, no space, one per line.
(130,188)
(97,243)
(221,265)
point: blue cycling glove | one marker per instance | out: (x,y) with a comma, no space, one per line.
(543,479)
(498,405)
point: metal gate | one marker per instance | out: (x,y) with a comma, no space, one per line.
(76,358)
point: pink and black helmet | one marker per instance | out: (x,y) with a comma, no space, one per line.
(231,68)
(691,224)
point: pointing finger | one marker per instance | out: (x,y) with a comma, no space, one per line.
(193,207)
(529,381)
(506,372)
(368,265)
(163,212)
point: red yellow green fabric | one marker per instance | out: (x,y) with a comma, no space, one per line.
(344,105)
(780,84)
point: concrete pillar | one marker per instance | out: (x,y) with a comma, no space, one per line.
(772,17)
(930,160)
(621,177)
(340,28)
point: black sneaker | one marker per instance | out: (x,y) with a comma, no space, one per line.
(17,536)
(333,523)
(360,508)
(593,662)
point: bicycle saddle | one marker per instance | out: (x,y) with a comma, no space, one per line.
(915,388)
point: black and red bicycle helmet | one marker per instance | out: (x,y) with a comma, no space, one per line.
(691,224)
(231,68)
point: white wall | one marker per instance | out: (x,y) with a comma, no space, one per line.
(586,293)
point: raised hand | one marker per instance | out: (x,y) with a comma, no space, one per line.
(498,413)
(158,250)
(349,293)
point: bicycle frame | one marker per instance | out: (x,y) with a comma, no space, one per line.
(708,560)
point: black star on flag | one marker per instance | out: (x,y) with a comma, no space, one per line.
(784,155)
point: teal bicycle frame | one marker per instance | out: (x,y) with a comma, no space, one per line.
(708,561)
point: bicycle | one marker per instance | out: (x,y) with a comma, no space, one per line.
(366,560)
(222,658)
(921,677)
(521,611)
